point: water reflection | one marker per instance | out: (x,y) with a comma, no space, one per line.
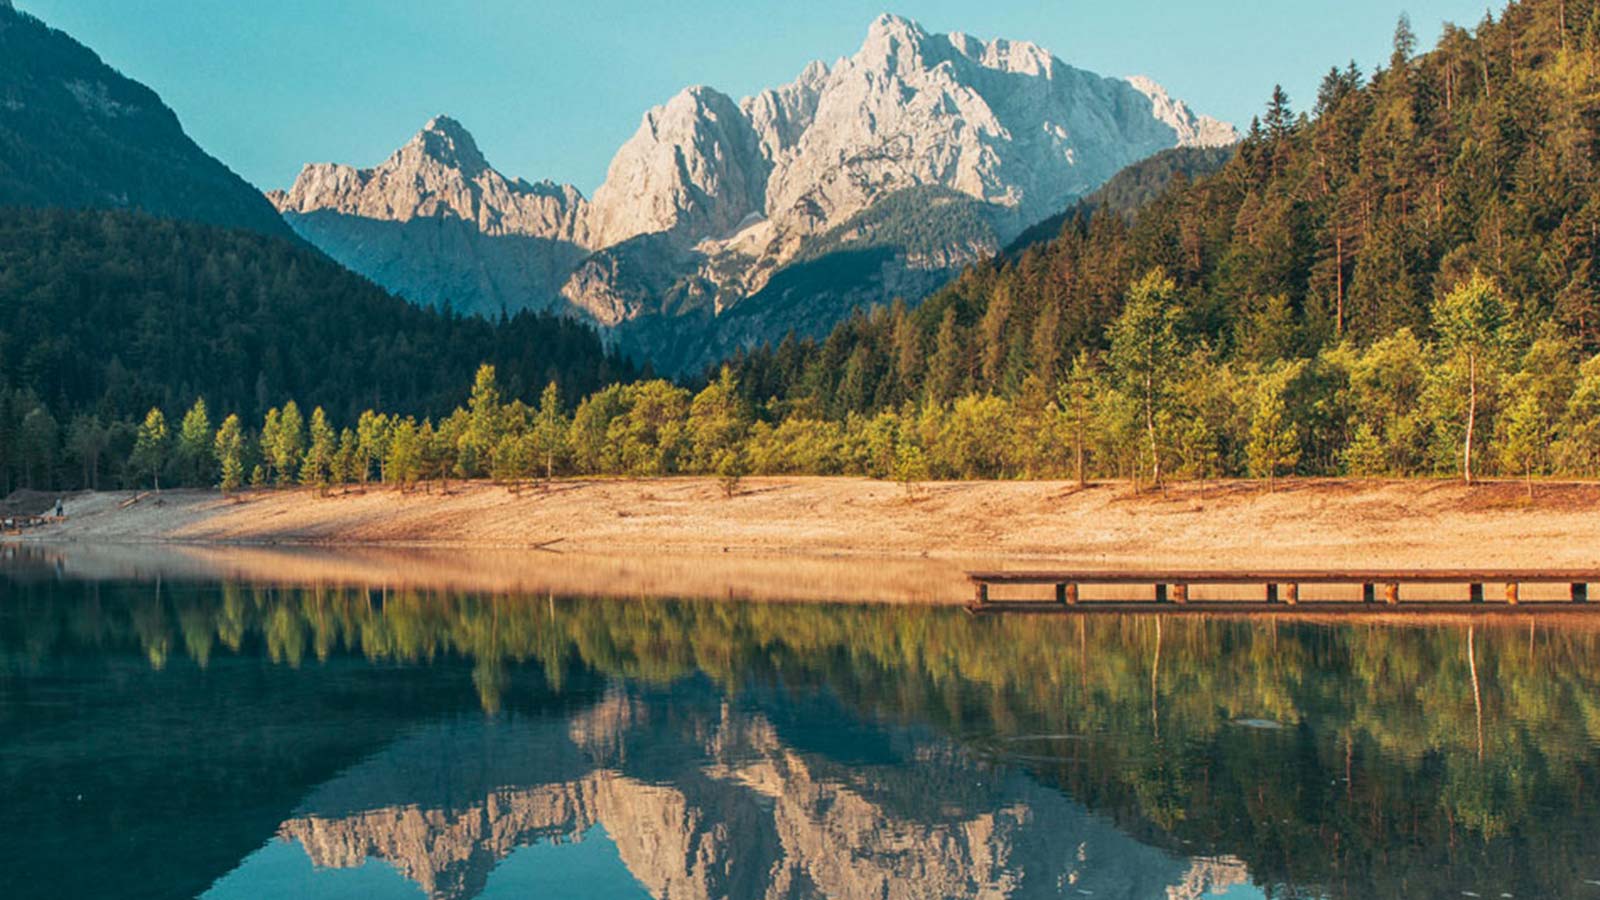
(714,749)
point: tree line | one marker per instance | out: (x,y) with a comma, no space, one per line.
(1476,398)
(106,314)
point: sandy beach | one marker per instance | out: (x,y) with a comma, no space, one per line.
(823,538)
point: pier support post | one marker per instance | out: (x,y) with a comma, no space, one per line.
(1475,593)
(1292,595)
(1369,594)
(1161,593)
(1180,593)
(1580,593)
(1272,593)
(1513,593)
(1391,593)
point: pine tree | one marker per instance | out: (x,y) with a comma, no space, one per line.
(271,428)
(1280,116)
(372,444)
(403,463)
(945,368)
(150,447)
(196,448)
(1077,405)
(289,448)
(486,417)
(550,431)
(229,450)
(346,462)
(317,468)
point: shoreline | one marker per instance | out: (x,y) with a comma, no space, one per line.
(823,538)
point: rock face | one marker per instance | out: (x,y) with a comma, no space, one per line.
(711,200)
(75,133)
(694,169)
(437,224)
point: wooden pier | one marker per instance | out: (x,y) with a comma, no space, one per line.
(1269,592)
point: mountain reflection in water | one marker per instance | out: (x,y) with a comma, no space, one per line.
(174,738)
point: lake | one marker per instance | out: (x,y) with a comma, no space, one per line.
(223,738)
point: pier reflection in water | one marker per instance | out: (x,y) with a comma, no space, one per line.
(227,739)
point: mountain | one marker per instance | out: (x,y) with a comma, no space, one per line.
(486,243)
(75,133)
(712,202)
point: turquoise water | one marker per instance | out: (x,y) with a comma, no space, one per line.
(228,740)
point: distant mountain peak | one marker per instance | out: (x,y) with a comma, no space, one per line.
(448,142)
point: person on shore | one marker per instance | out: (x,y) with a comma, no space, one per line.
(61,512)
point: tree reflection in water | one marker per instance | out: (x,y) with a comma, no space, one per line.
(1340,761)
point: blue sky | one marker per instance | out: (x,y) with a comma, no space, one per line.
(551,89)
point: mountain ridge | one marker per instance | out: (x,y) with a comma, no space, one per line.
(711,197)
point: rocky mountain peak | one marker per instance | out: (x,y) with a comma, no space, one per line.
(693,168)
(447,142)
(889,36)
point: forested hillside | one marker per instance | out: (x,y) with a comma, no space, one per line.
(75,133)
(1308,279)
(106,314)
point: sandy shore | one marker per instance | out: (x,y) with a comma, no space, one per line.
(818,538)
(1320,523)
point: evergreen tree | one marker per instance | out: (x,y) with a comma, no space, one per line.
(346,461)
(196,450)
(150,448)
(403,464)
(317,468)
(228,447)
(372,444)
(290,443)
(549,436)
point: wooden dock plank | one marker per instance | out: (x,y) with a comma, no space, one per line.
(1265,576)
(1256,608)
(1172,590)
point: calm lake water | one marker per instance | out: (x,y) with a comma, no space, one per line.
(229,740)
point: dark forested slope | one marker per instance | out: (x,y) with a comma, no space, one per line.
(113,312)
(75,133)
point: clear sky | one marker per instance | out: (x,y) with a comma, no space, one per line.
(551,89)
